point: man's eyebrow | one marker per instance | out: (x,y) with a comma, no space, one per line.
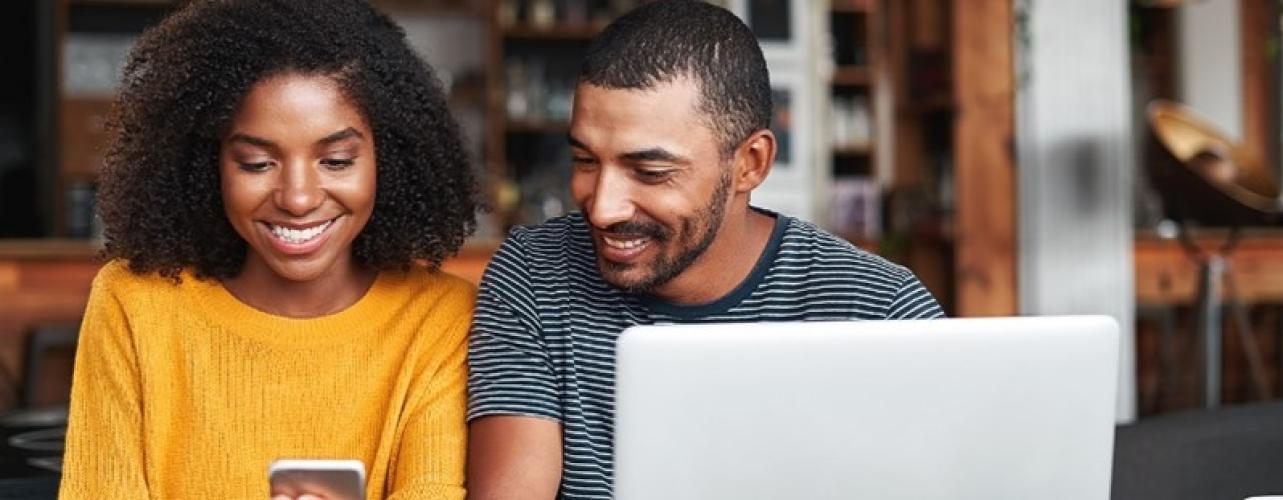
(346,133)
(655,154)
(650,154)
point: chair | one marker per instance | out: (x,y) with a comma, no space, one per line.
(40,341)
(31,450)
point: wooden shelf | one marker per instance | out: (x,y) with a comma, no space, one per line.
(852,75)
(853,6)
(572,33)
(49,249)
(537,126)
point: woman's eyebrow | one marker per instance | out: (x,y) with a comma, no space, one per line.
(346,133)
(251,140)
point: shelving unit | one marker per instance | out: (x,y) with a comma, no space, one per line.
(891,121)
(91,39)
(856,57)
(533,50)
(920,204)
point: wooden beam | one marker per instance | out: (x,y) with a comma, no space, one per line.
(1259,104)
(984,85)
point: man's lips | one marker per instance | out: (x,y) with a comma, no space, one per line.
(623,248)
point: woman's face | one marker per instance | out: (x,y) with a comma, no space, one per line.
(298,176)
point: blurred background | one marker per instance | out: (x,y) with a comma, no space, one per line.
(1112,157)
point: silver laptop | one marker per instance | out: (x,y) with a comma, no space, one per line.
(992,409)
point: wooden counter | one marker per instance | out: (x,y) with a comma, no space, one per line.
(1166,275)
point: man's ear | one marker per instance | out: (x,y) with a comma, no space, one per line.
(753,160)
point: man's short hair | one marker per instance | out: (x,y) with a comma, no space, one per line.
(666,40)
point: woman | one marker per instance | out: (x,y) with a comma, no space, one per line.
(283,183)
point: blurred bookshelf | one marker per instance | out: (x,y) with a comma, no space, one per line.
(891,122)
(532,59)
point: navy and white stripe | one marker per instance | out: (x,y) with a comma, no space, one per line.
(544,331)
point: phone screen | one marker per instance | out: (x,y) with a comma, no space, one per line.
(328,479)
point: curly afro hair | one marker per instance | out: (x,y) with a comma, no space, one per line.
(159,198)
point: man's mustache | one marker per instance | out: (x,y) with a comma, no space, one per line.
(638,229)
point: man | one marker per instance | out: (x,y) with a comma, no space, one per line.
(669,136)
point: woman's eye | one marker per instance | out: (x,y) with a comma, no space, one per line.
(255,166)
(338,164)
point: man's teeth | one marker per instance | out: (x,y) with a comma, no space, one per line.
(624,244)
(296,236)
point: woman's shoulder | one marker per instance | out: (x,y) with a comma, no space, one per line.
(117,276)
(118,279)
(422,282)
(439,297)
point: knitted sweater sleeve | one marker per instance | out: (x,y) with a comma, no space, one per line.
(104,448)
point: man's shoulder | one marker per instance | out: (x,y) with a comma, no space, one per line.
(808,245)
(556,234)
(529,252)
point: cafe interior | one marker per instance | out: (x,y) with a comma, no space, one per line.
(1022,157)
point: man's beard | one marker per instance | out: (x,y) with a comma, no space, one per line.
(665,269)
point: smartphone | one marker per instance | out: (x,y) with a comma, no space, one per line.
(329,479)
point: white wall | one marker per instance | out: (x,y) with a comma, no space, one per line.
(1211,63)
(1075,171)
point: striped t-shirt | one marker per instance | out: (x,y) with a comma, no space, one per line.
(544,330)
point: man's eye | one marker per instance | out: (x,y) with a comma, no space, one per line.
(261,166)
(337,163)
(654,175)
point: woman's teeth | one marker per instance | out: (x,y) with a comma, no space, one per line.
(296,236)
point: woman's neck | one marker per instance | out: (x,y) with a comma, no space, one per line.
(262,288)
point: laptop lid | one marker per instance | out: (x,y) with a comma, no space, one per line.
(998,408)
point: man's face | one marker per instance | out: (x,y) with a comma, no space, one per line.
(649,177)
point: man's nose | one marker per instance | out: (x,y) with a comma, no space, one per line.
(612,199)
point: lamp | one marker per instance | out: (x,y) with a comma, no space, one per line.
(1204,178)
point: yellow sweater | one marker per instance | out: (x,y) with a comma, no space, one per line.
(182,391)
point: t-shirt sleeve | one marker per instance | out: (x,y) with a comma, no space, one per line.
(913,301)
(510,371)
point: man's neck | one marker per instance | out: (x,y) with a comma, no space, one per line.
(725,264)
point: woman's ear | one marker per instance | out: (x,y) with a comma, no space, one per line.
(753,160)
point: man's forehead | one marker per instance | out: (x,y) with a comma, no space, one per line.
(663,116)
